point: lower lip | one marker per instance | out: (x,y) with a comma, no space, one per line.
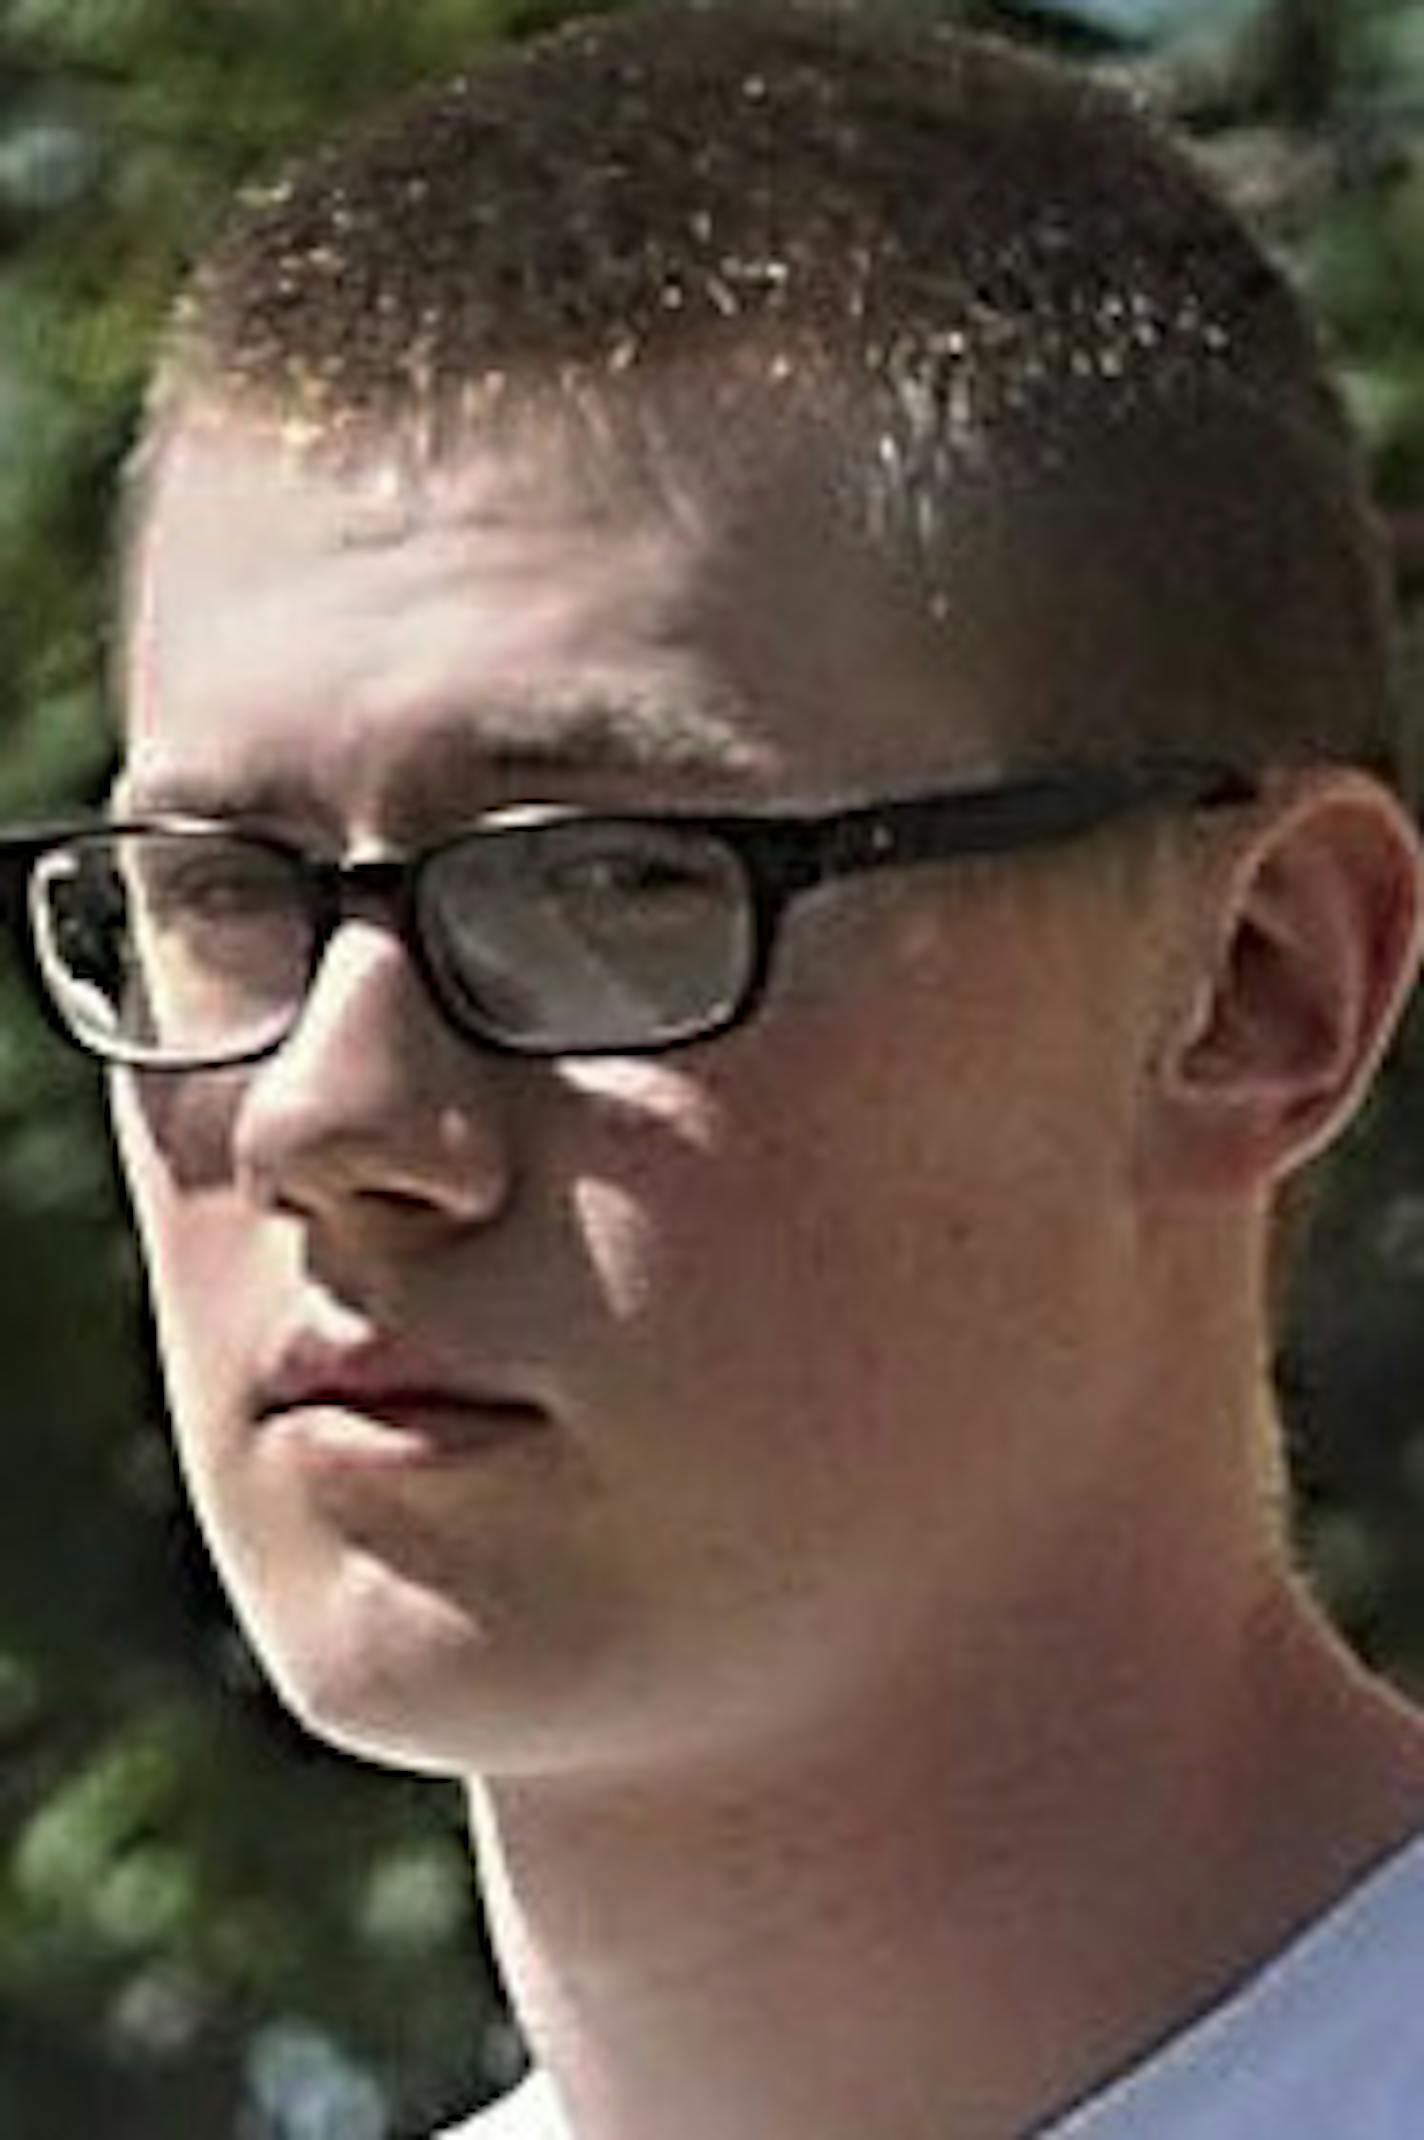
(403,1434)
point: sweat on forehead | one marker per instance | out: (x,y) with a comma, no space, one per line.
(686,236)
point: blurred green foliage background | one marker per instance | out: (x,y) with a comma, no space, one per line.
(206,1924)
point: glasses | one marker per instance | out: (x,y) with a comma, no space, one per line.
(178,943)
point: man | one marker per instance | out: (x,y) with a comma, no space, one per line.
(756,839)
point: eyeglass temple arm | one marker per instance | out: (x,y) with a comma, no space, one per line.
(991,820)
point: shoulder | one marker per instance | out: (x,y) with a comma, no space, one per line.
(1332,2029)
(528,2114)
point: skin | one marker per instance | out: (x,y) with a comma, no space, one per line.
(866,1606)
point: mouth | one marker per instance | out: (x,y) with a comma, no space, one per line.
(376,1405)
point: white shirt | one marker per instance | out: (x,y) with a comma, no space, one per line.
(1326,2042)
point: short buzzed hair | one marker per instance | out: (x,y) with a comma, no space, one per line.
(1018,313)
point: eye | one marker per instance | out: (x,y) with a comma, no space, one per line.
(211,883)
(636,888)
(629,873)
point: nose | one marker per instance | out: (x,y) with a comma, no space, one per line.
(373,1106)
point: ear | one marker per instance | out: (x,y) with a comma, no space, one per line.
(1314,944)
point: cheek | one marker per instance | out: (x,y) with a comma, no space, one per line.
(790,1422)
(197,1237)
(850,1212)
(619,1241)
(215,1290)
(749,1259)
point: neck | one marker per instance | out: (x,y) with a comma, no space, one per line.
(949,1919)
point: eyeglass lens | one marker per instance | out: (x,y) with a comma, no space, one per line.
(588,933)
(195,944)
(172,944)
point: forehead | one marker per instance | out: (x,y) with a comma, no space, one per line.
(510,615)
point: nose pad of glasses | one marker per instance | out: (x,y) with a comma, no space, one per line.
(485,1002)
(525,981)
(479,991)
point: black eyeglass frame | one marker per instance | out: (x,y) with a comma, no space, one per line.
(779,855)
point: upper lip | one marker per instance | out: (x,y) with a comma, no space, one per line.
(377,1372)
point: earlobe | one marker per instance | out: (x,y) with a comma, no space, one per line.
(1315,945)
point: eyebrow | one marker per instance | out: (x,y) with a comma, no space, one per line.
(638,734)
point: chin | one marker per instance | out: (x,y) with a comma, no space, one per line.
(408,1678)
(374,1666)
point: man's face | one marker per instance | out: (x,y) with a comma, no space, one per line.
(704,1392)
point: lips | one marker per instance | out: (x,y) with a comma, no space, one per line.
(380,1393)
